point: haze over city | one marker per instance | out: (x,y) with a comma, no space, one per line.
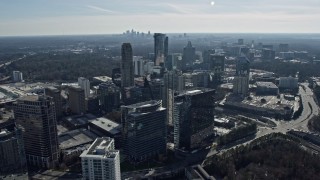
(145,89)
(60,17)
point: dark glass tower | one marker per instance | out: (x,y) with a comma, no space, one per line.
(127,71)
(144,130)
(37,118)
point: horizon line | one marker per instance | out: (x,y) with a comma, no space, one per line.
(95,34)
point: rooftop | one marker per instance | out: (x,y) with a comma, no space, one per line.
(102,78)
(79,120)
(266,84)
(106,124)
(195,92)
(101,147)
(144,104)
(74,138)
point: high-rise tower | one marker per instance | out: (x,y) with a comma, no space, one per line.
(160,48)
(144,130)
(127,76)
(37,118)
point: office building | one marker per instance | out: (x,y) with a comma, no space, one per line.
(206,57)
(57,99)
(109,96)
(240,42)
(266,88)
(17,76)
(36,116)
(268,54)
(288,83)
(138,64)
(160,49)
(189,56)
(217,66)
(241,85)
(241,79)
(85,85)
(283,47)
(193,118)
(144,130)
(76,100)
(101,161)
(12,154)
(173,82)
(127,71)
(200,78)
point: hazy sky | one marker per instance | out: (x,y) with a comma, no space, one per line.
(62,17)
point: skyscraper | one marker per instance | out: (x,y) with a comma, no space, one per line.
(127,71)
(216,65)
(160,48)
(144,130)
(173,81)
(85,85)
(241,79)
(109,96)
(138,65)
(189,55)
(36,116)
(101,160)
(76,100)
(193,118)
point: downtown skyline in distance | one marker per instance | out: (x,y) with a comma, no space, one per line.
(38,17)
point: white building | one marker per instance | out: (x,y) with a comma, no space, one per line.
(101,161)
(84,84)
(17,76)
(138,64)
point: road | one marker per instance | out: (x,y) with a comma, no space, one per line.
(310,109)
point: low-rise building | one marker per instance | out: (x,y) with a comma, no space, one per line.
(266,88)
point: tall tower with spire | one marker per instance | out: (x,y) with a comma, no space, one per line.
(189,55)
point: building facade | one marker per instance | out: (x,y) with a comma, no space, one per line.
(101,161)
(144,130)
(36,116)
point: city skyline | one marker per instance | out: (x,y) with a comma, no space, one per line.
(34,17)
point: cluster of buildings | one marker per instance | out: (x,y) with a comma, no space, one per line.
(151,101)
(157,102)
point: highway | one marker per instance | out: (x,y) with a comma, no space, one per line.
(310,109)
